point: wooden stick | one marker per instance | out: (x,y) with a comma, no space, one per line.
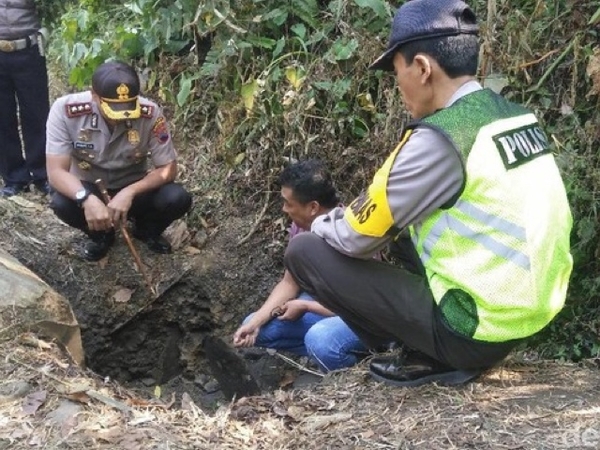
(127,238)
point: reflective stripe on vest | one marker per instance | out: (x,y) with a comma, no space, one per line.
(446,221)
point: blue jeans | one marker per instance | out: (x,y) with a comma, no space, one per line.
(328,341)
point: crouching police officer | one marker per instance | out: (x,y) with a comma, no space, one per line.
(475,182)
(112,133)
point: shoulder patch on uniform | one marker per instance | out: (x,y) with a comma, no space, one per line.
(160,130)
(147,111)
(78,109)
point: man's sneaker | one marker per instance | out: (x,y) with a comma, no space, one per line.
(12,189)
(98,246)
(411,368)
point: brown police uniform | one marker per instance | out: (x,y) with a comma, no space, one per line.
(121,157)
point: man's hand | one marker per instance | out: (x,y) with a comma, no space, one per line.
(97,214)
(119,205)
(246,335)
(293,309)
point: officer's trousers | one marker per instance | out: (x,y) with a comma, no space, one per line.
(23,101)
(382,302)
(152,212)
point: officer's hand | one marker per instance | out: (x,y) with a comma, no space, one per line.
(96,214)
(293,310)
(245,336)
(119,205)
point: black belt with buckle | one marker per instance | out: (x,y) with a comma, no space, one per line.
(18,44)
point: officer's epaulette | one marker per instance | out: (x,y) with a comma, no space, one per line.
(78,109)
(146,111)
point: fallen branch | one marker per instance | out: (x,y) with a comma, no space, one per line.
(258,220)
(291,362)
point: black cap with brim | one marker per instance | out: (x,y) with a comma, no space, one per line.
(118,86)
(418,20)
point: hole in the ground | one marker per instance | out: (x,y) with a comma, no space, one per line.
(157,344)
(172,344)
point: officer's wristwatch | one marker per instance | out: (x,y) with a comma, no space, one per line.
(81,196)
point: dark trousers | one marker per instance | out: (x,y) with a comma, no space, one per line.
(23,82)
(151,211)
(381,302)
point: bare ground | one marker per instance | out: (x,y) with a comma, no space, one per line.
(164,397)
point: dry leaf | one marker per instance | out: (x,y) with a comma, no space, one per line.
(65,417)
(593,71)
(17,199)
(192,250)
(186,402)
(33,401)
(368,434)
(103,262)
(279,409)
(314,423)
(80,397)
(123,295)
(287,380)
(177,234)
(142,419)
(31,340)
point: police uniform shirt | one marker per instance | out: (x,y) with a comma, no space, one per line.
(119,157)
(18,19)
(426,174)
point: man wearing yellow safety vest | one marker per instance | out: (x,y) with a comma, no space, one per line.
(474,185)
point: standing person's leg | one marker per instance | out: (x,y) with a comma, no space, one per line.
(31,81)
(12,163)
(332,344)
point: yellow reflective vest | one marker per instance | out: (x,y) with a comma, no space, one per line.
(497,259)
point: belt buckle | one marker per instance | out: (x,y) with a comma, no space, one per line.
(7,46)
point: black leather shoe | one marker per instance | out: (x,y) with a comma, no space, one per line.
(12,189)
(98,246)
(43,186)
(157,244)
(413,368)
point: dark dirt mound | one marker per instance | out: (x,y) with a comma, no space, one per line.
(129,334)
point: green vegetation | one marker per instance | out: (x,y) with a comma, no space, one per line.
(260,82)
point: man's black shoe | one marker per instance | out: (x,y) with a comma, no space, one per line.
(43,186)
(12,189)
(98,246)
(157,244)
(413,368)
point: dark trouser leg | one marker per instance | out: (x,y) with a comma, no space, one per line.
(381,302)
(70,213)
(12,163)
(154,211)
(31,81)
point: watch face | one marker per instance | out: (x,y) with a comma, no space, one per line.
(80,194)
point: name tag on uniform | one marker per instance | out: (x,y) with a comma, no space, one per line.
(522,145)
(83,146)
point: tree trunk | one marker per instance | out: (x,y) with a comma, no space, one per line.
(27,303)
